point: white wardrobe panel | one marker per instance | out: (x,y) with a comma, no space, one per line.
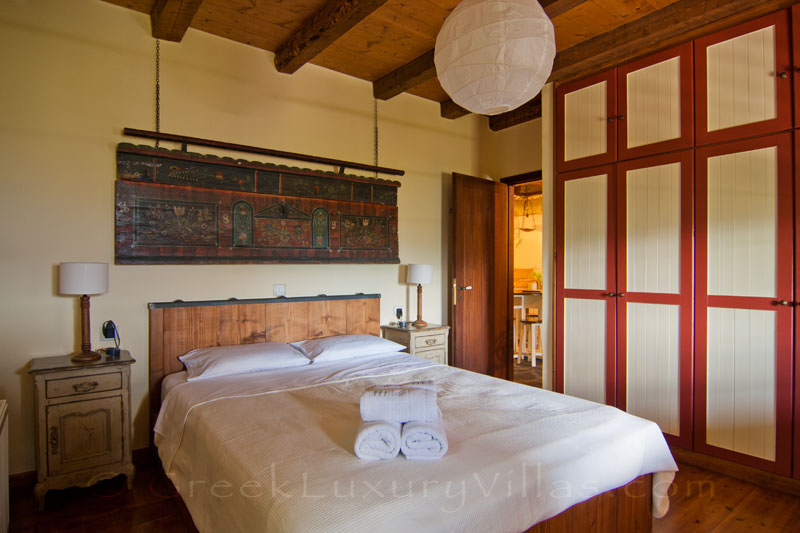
(741,80)
(654,229)
(585,349)
(742,223)
(653,355)
(585,234)
(585,118)
(740,399)
(654,107)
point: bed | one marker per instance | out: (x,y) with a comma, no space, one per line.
(273,451)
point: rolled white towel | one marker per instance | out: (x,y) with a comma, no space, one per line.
(409,402)
(424,440)
(378,440)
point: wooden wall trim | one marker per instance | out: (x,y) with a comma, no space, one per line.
(279,299)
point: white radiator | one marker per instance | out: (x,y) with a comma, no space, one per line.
(4,507)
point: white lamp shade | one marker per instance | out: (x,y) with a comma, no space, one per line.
(492,56)
(419,274)
(83,278)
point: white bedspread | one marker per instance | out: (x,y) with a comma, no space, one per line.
(273,451)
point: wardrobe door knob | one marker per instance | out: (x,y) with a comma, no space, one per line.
(621,295)
(785,303)
(611,294)
(783,75)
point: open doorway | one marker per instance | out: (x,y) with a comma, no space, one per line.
(527,286)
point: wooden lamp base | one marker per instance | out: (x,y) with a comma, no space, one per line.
(419,323)
(86,354)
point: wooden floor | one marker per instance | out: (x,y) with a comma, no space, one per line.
(526,374)
(701,501)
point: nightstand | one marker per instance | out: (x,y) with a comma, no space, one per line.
(429,342)
(83,421)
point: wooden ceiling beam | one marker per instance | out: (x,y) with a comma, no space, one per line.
(677,23)
(170,19)
(405,77)
(450,109)
(524,113)
(333,21)
(554,8)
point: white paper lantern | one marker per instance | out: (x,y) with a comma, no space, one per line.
(492,56)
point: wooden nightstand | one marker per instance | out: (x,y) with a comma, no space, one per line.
(429,342)
(83,422)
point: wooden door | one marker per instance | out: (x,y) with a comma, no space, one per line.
(654,283)
(655,104)
(796,64)
(586,302)
(586,122)
(743,86)
(482,289)
(743,295)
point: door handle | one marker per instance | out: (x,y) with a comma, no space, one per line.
(785,303)
(783,75)
(621,295)
(610,294)
(467,288)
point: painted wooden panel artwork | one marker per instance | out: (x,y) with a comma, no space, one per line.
(176,207)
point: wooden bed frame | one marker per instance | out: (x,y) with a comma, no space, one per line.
(177,327)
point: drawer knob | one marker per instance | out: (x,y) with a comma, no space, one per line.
(430,342)
(86,386)
(54,440)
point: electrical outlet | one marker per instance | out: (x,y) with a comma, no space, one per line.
(107,331)
(279,289)
(394,312)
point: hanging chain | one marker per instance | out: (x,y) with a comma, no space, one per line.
(376,136)
(158,88)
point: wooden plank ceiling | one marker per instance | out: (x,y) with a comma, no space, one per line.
(390,42)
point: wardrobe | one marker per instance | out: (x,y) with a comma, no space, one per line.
(676,232)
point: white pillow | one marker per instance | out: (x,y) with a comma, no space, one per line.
(216,361)
(345,346)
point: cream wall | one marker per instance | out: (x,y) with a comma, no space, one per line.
(75,73)
(511,151)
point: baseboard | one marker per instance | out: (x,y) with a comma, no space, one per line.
(22,480)
(141,457)
(735,470)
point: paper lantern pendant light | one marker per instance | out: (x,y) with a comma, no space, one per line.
(492,56)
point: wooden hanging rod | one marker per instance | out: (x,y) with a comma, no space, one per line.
(256,150)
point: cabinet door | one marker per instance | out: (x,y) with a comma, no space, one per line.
(655,104)
(585,290)
(654,300)
(586,125)
(84,434)
(743,85)
(743,335)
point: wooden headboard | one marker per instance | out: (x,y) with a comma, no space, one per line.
(177,327)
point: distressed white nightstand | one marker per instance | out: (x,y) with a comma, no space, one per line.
(429,342)
(83,421)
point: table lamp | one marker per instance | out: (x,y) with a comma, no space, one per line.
(419,274)
(83,279)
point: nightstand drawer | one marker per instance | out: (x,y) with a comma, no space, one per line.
(439,355)
(428,341)
(57,388)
